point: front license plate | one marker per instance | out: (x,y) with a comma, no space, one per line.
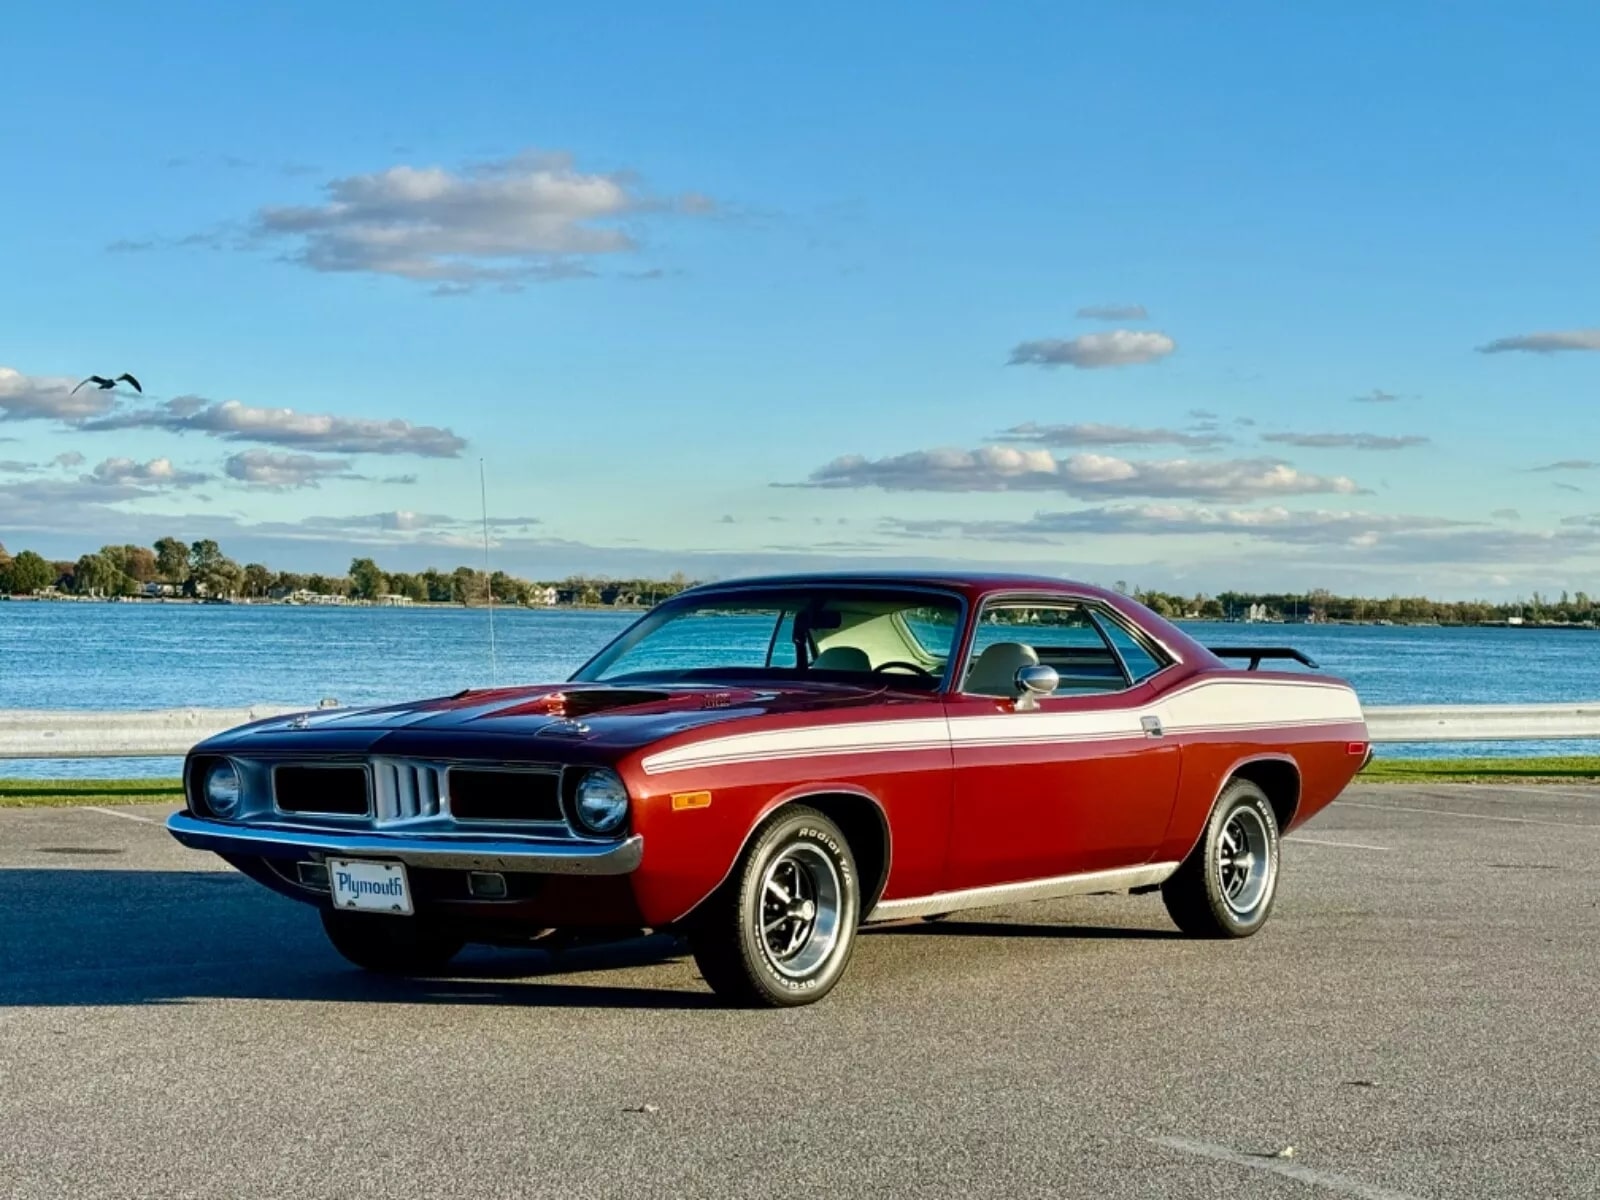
(369,886)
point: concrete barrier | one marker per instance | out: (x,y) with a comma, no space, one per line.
(169,733)
(1484,722)
(159,733)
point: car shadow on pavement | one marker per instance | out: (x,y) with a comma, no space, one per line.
(104,937)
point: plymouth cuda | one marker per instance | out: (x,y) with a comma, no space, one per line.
(766,765)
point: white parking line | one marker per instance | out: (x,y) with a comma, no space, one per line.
(1311,841)
(111,812)
(1445,812)
(1281,1166)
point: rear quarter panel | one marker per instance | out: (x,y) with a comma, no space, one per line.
(1225,720)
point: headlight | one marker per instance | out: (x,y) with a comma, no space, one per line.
(601,802)
(222,788)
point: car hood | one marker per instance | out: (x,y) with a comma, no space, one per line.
(599,717)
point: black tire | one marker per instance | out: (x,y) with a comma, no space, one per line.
(806,860)
(391,945)
(1211,895)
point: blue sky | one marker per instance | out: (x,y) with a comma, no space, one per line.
(1286,298)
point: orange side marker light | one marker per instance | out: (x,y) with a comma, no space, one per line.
(687,800)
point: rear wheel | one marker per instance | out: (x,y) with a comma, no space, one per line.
(781,930)
(391,945)
(1226,886)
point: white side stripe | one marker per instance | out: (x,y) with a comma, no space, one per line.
(920,734)
(1210,706)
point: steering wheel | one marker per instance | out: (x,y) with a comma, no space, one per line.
(904,666)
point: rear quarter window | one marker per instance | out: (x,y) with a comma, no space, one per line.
(1141,662)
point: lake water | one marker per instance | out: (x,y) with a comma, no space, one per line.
(124,656)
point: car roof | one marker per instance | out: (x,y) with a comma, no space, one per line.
(971,583)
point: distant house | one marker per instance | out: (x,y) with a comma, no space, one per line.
(543,596)
(393,600)
(307,596)
(156,590)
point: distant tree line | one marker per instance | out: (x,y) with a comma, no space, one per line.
(1576,608)
(200,569)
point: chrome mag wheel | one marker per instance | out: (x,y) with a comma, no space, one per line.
(781,930)
(1244,860)
(800,907)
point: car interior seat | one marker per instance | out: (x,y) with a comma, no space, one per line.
(994,673)
(842,658)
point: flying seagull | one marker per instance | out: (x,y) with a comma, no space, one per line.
(106,385)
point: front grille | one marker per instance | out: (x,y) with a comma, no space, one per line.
(478,794)
(406,790)
(329,791)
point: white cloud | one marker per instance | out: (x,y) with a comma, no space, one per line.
(405,521)
(1115,348)
(1315,527)
(1092,434)
(1347,441)
(1376,396)
(1397,539)
(68,460)
(1545,343)
(158,472)
(47,398)
(526,218)
(1087,476)
(1571,464)
(278,471)
(238,422)
(1113,312)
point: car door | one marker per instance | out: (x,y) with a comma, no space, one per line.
(1082,782)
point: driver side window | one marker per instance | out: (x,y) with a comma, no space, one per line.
(1063,636)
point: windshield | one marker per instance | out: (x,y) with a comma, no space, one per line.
(884,636)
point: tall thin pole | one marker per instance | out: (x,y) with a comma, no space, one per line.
(488,579)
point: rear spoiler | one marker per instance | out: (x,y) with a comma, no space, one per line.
(1256,653)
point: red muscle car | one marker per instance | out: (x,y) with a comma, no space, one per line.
(768,764)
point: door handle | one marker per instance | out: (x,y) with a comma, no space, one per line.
(1152,726)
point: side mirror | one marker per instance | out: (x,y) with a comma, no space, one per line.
(1034,681)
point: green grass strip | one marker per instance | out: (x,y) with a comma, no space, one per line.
(35,793)
(1482,770)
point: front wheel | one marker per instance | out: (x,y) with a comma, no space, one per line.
(391,945)
(781,930)
(1226,886)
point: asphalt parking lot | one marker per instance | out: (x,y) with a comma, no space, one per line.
(1420,1018)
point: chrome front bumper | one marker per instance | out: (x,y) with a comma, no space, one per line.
(454,853)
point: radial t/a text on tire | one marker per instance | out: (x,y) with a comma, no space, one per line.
(780,931)
(1225,888)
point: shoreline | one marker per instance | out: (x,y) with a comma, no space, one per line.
(195,602)
(190,602)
